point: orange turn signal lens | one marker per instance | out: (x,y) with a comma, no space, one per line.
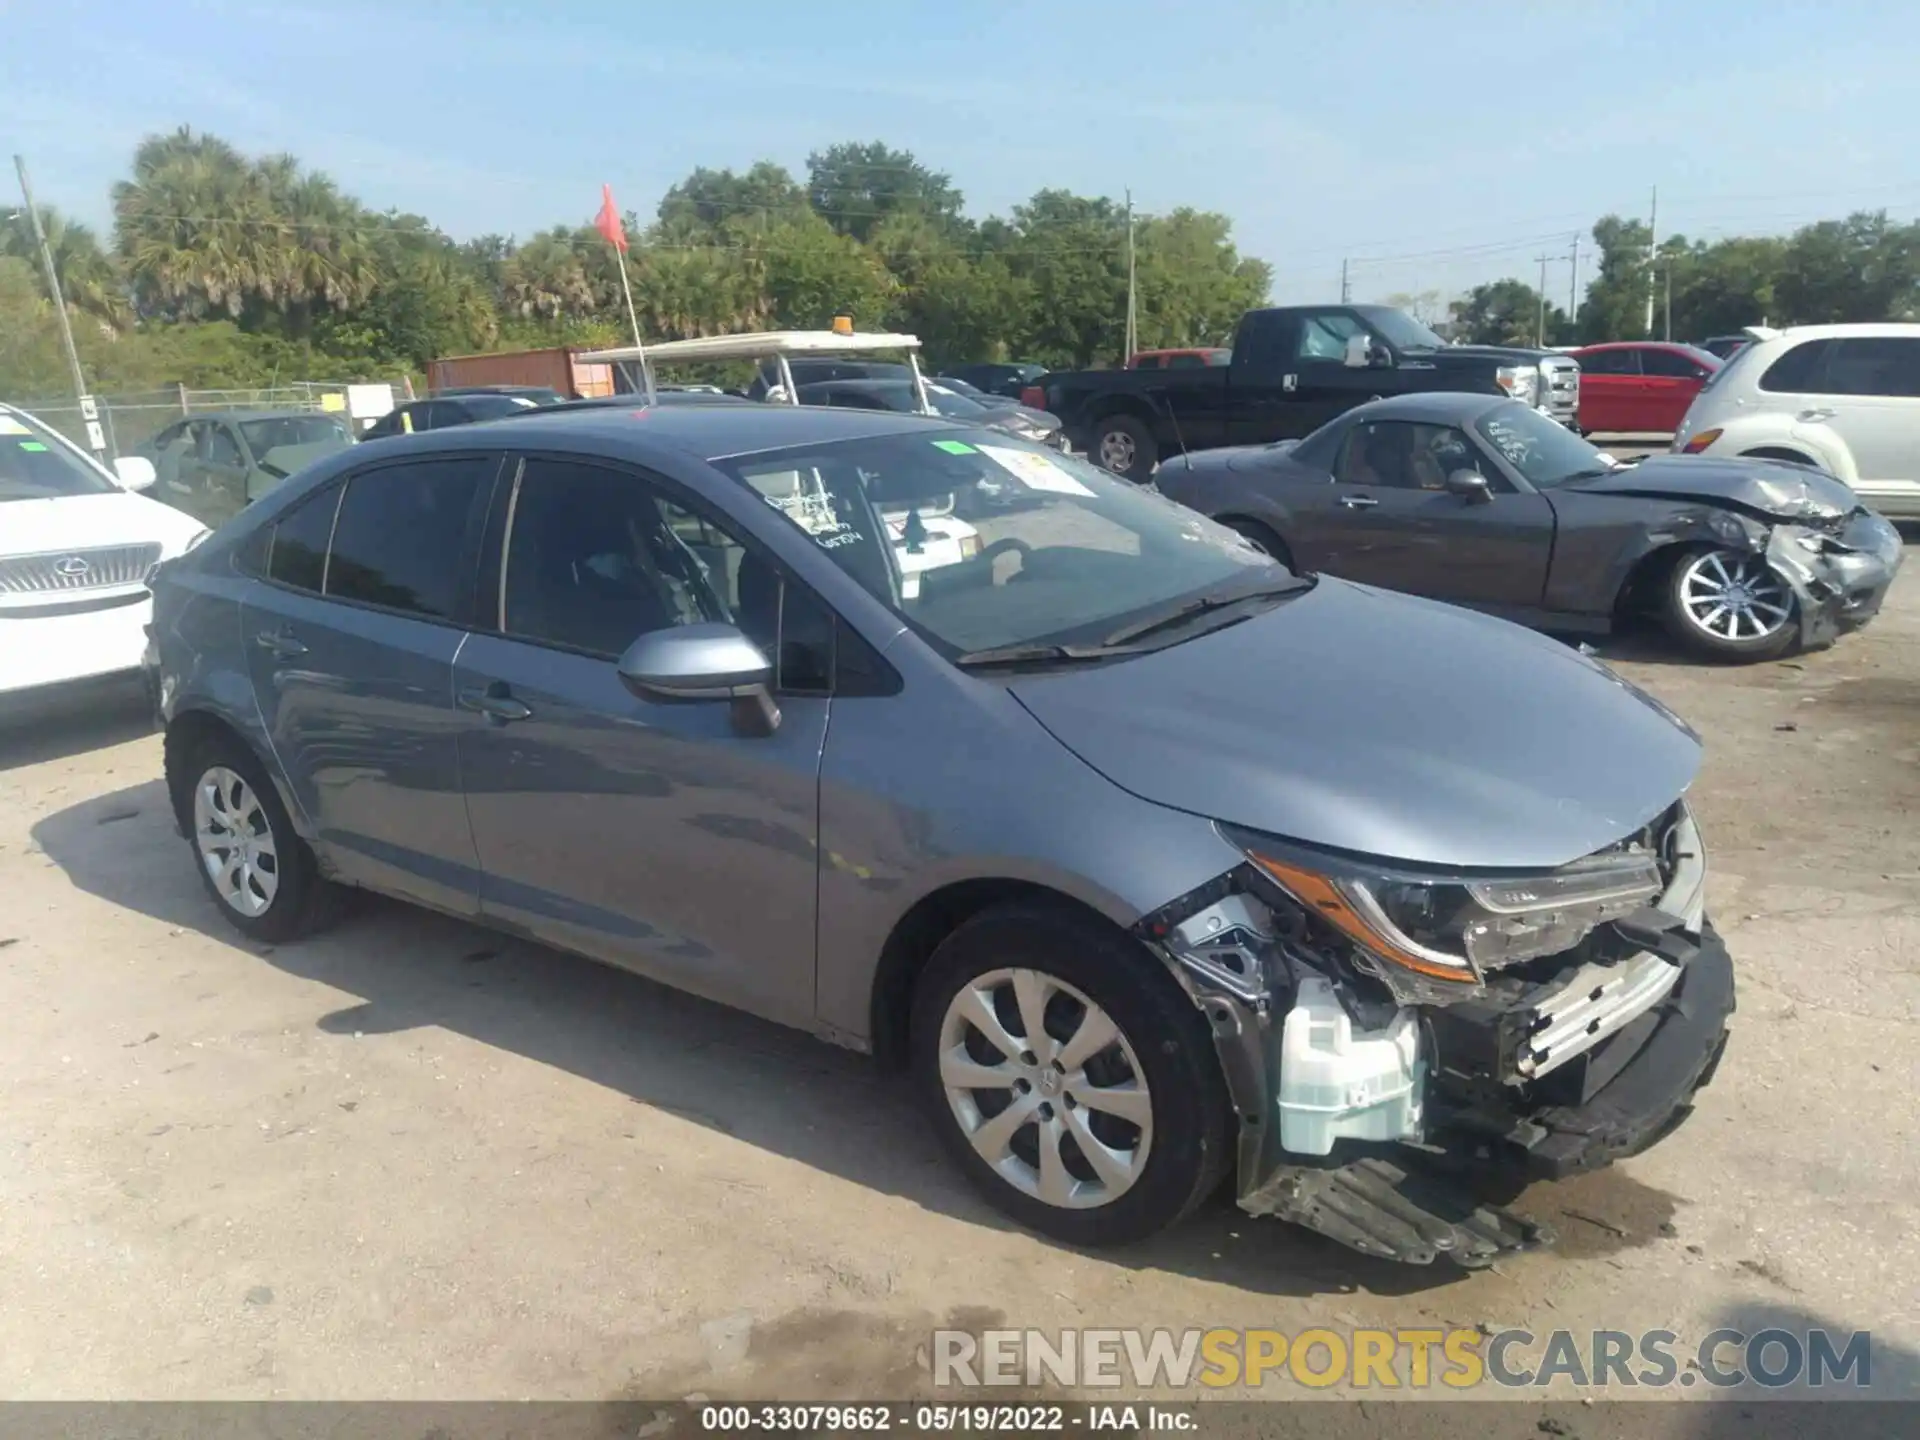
(1329,902)
(1700,442)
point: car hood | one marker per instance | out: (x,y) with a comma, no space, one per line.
(1480,355)
(1772,488)
(81,522)
(1355,719)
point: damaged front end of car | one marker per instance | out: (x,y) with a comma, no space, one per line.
(1401,1044)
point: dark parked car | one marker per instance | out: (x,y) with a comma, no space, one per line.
(214,464)
(998,378)
(1145,856)
(898,395)
(1292,369)
(538,394)
(462,407)
(1490,504)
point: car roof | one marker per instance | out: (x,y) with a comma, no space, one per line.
(707,432)
(1858,329)
(1437,407)
(1633,345)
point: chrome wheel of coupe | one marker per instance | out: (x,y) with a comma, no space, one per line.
(1733,598)
(235,841)
(1046,1088)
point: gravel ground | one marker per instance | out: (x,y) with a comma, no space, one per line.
(414,1159)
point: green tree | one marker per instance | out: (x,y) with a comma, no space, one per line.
(1070,251)
(30,362)
(1865,267)
(813,274)
(90,281)
(1615,307)
(765,196)
(1504,312)
(963,306)
(854,186)
(1191,285)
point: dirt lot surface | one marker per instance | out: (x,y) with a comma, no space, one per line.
(415,1159)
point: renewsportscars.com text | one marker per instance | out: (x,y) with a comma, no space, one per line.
(1417,1359)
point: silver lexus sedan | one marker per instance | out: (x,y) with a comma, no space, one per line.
(1151,862)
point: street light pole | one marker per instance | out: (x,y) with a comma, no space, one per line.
(53,289)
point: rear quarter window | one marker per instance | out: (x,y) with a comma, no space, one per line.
(1797,371)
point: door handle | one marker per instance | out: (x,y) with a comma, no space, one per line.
(1815,415)
(279,644)
(1358,502)
(493,702)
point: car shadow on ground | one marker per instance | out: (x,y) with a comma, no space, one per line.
(72,722)
(761,1083)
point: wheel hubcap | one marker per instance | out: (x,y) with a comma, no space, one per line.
(1046,1088)
(1734,597)
(1116,450)
(235,841)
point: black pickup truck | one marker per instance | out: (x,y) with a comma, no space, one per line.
(1293,369)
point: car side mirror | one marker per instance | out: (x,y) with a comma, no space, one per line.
(134,472)
(1469,485)
(1359,349)
(704,662)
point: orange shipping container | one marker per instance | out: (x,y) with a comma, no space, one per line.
(555,369)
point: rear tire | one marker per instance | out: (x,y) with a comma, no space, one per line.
(1124,446)
(1729,605)
(1262,535)
(260,873)
(1089,1134)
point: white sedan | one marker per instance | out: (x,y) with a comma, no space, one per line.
(76,548)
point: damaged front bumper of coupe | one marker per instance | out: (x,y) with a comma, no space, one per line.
(1387,1109)
(1839,573)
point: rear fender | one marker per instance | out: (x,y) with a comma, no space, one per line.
(1819,442)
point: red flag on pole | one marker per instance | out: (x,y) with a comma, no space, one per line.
(607,222)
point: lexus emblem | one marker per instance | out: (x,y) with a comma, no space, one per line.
(72,568)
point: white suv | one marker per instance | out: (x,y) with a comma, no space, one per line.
(1843,397)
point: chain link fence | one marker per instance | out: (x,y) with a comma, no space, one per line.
(130,421)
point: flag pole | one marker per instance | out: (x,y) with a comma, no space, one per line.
(646,370)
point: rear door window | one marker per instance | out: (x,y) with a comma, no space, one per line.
(1671,365)
(1609,362)
(405,534)
(1873,365)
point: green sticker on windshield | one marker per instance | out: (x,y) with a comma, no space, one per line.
(955,447)
(31,445)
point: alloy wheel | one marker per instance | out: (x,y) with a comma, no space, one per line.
(1734,597)
(1116,452)
(1046,1088)
(235,841)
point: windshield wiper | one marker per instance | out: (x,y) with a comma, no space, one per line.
(1028,654)
(1200,605)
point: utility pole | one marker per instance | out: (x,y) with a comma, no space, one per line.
(1133,314)
(1668,267)
(1573,284)
(1540,325)
(1653,241)
(94,435)
(1346,291)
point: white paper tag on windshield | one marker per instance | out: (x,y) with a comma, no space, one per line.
(11,426)
(1034,471)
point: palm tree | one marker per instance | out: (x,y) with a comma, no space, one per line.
(90,282)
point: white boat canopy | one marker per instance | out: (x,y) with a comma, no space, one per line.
(775,345)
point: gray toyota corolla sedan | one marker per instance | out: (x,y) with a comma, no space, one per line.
(1150,860)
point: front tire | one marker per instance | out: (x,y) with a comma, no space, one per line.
(258,870)
(1070,1079)
(1123,445)
(1729,605)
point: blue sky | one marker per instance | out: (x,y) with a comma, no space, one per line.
(1436,144)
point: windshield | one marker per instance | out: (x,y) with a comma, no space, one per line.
(1400,329)
(1546,452)
(264,436)
(992,543)
(37,464)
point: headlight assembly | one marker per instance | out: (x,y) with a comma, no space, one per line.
(1457,929)
(1519,381)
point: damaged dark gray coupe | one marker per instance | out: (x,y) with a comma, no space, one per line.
(1485,502)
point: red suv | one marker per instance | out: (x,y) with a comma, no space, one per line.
(1639,387)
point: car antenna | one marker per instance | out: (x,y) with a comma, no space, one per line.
(1174,416)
